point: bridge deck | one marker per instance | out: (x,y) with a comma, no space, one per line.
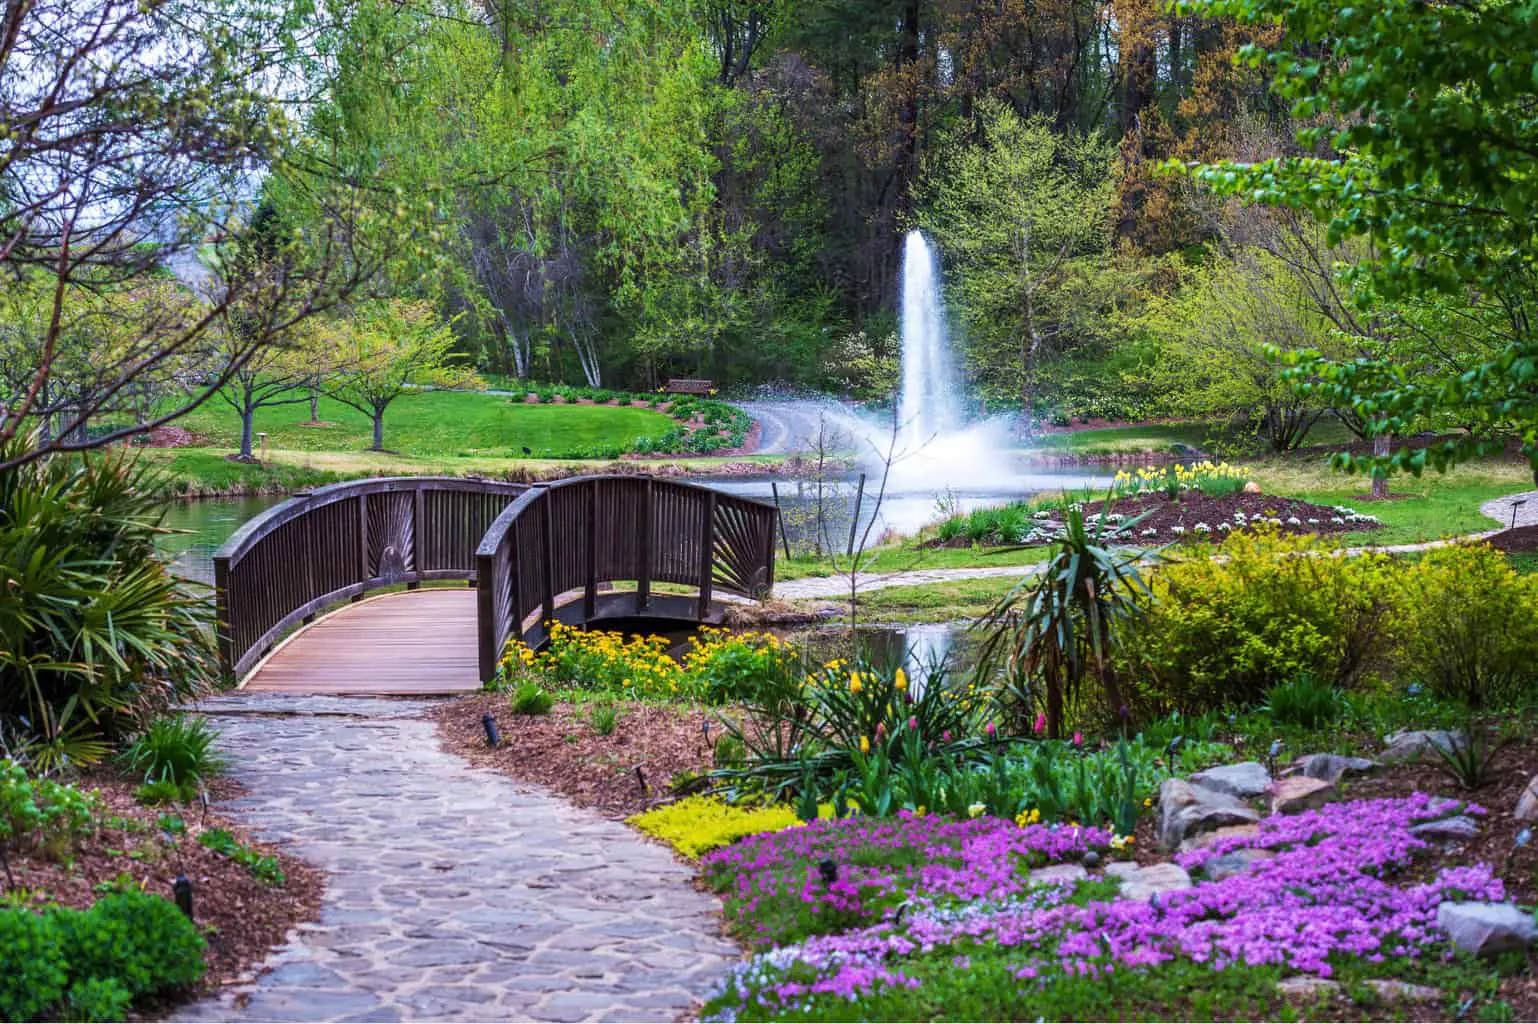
(416,642)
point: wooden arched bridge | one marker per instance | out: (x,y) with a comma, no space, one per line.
(310,592)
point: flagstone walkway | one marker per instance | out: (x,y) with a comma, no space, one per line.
(454,893)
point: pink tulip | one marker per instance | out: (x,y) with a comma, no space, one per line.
(1041,723)
(989,729)
(913,722)
(1078,738)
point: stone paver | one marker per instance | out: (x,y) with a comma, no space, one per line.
(453,893)
(1499,509)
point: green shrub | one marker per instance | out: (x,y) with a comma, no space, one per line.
(1220,632)
(163,791)
(265,868)
(603,719)
(32,975)
(1468,631)
(142,941)
(1304,702)
(530,699)
(697,824)
(96,633)
(49,815)
(89,964)
(175,748)
(97,999)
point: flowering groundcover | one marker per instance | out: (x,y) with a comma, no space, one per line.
(928,917)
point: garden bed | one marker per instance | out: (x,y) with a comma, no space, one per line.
(1521,540)
(1183,519)
(562,751)
(242,917)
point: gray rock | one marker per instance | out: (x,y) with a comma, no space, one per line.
(1245,780)
(1486,929)
(1205,839)
(1305,988)
(1331,767)
(1185,810)
(1055,874)
(1391,991)
(1527,803)
(1300,793)
(1412,745)
(1455,828)
(1144,883)
(1234,862)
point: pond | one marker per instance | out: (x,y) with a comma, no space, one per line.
(201,525)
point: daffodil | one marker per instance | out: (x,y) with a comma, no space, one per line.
(864,744)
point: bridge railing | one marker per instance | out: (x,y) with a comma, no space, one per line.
(341,541)
(575,535)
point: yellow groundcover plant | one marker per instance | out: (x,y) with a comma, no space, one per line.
(698,824)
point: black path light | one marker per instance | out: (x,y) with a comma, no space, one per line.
(1516,503)
(182,889)
(493,736)
(828,869)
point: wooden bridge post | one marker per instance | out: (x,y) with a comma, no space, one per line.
(362,543)
(547,580)
(707,552)
(643,589)
(222,620)
(418,533)
(590,586)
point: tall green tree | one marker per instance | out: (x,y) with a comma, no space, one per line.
(1430,147)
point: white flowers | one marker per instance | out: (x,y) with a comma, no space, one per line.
(1148,532)
(1294,521)
(1178,531)
(976,810)
(1225,527)
(1202,528)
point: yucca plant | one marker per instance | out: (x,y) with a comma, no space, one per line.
(178,749)
(1055,630)
(97,634)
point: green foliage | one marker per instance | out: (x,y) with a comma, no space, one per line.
(32,969)
(603,719)
(95,631)
(265,868)
(1430,155)
(1221,632)
(163,791)
(97,999)
(42,813)
(1050,634)
(1468,632)
(89,964)
(1304,701)
(530,698)
(698,824)
(177,749)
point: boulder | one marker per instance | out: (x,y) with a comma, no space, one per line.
(1185,810)
(1486,929)
(1527,803)
(1300,793)
(1246,780)
(1234,862)
(1306,988)
(1205,839)
(1144,883)
(1454,829)
(1391,991)
(1412,745)
(1331,767)
(1058,874)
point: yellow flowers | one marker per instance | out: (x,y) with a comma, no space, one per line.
(1121,842)
(855,686)
(900,680)
(697,824)
(1030,817)
(865,744)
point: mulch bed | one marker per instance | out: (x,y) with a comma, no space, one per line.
(1522,539)
(561,751)
(242,918)
(1191,508)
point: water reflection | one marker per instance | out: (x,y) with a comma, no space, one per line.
(201,525)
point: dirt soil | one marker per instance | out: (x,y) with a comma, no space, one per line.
(1192,508)
(1522,539)
(561,751)
(170,436)
(242,919)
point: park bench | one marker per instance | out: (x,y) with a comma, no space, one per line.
(689,386)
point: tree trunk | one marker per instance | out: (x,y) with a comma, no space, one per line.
(314,404)
(1380,448)
(378,430)
(247,423)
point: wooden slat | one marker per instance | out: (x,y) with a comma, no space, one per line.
(414,643)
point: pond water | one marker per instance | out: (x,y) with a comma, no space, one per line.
(201,525)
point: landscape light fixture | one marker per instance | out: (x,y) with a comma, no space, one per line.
(1516,503)
(493,737)
(828,869)
(182,889)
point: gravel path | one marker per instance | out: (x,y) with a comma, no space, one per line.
(1500,509)
(454,893)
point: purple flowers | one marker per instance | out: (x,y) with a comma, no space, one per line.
(1327,890)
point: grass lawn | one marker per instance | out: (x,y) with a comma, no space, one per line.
(905,558)
(949,601)
(439,424)
(1163,437)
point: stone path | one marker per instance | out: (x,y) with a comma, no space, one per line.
(454,893)
(1500,509)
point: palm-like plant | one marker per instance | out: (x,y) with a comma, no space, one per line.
(96,633)
(1057,629)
